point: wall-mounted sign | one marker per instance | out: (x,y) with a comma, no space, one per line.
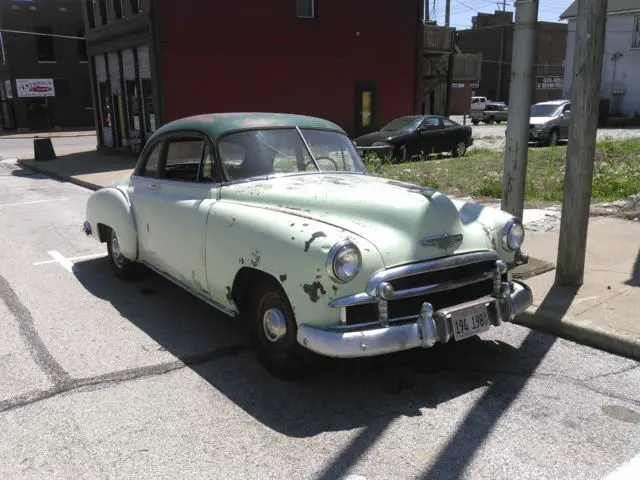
(549,83)
(35,87)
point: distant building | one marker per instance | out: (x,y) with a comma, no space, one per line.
(620,85)
(44,80)
(492,36)
(153,61)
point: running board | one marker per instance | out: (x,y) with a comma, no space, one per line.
(198,295)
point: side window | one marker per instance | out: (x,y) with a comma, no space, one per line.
(208,173)
(448,123)
(151,167)
(431,122)
(566,109)
(183,159)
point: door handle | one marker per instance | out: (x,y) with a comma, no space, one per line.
(152,186)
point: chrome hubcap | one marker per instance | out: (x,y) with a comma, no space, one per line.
(115,251)
(274,324)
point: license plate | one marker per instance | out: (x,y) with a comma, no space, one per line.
(472,321)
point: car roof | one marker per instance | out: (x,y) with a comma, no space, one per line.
(218,124)
(553,102)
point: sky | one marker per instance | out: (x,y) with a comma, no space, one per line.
(463,10)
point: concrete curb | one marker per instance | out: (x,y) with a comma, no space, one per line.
(611,340)
(56,175)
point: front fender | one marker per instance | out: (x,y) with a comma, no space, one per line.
(290,248)
(111,207)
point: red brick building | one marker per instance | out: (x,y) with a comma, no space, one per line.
(492,36)
(356,63)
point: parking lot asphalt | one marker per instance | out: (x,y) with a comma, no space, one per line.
(103,378)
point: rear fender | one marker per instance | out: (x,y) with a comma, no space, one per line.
(110,207)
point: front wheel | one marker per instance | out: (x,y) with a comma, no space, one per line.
(400,154)
(122,266)
(460,150)
(274,332)
(554,138)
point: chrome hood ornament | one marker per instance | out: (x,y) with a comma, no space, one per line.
(443,242)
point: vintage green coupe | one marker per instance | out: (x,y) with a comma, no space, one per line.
(273,217)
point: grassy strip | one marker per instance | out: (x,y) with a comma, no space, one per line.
(479,174)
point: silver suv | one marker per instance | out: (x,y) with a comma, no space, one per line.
(549,122)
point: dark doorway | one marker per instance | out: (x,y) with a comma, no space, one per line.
(38,114)
(365,108)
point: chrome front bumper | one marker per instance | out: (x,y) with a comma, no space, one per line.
(429,329)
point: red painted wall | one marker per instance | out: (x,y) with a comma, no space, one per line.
(254,55)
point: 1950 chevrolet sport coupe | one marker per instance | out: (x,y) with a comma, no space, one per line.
(273,218)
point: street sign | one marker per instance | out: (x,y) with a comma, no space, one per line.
(35,87)
(549,83)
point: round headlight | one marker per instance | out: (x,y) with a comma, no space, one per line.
(344,261)
(513,235)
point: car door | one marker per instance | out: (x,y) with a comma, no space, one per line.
(452,135)
(431,133)
(176,209)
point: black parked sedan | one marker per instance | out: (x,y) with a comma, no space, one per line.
(406,137)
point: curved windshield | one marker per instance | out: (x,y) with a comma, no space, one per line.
(541,110)
(259,153)
(402,123)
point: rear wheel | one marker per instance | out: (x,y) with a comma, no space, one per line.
(475,121)
(460,150)
(400,154)
(274,332)
(490,120)
(122,266)
(554,138)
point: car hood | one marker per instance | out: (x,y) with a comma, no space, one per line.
(395,217)
(371,138)
(539,120)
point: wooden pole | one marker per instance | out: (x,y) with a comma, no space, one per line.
(585,101)
(520,87)
(447,13)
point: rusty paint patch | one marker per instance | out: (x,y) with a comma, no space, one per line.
(255,257)
(305,224)
(308,243)
(292,225)
(233,220)
(241,261)
(314,290)
(283,278)
(335,289)
(293,238)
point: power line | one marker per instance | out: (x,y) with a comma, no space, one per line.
(68,37)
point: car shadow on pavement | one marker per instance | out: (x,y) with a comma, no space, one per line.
(342,394)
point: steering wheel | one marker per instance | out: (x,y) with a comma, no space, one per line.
(335,164)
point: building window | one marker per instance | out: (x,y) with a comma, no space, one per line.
(91,14)
(636,33)
(104,15)
(147,95)
(117,7)
(44,44)
(134,105)
(105,105)
(306,8)
(82,47)
(135,6)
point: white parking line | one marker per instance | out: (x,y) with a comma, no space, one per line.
(59,258)
(34,201)
(628,471)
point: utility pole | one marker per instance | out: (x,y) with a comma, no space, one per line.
(578,179)
(521,86)
(447,13)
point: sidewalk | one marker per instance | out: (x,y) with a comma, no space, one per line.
(90,169)
(52,134)
(605,311)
